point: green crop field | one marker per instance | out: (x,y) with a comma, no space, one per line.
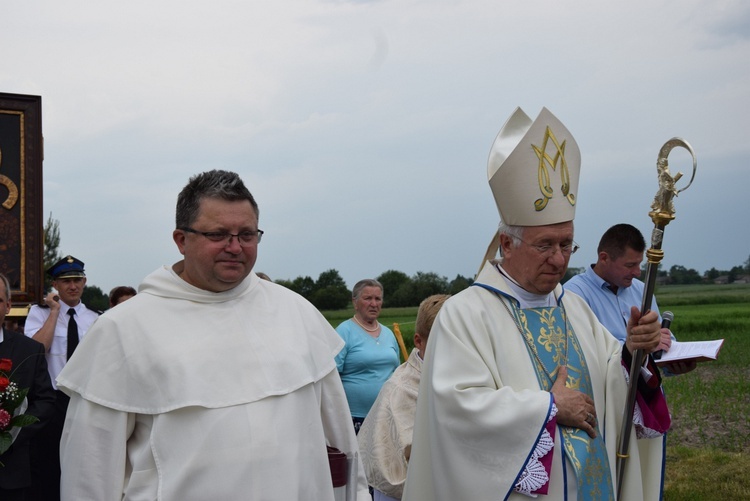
(708,447)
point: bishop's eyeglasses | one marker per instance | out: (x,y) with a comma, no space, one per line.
(245,238)
(548,250)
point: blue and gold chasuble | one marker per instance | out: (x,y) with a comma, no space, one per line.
(551,342)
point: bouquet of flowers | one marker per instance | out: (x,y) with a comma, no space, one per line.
(12,406)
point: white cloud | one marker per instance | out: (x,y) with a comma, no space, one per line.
(363,127)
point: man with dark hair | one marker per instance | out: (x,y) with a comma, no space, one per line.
(59,324)
(611,286)
(29,371)
(211,383)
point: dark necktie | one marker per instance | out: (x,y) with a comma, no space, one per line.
(72,332)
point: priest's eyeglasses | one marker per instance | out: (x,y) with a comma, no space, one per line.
(245,238)
(547,250)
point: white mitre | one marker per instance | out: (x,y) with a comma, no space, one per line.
(533,170)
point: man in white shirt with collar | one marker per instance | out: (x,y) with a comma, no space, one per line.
(611,286)
(59,325)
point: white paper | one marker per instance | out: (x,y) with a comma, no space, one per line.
(691,350)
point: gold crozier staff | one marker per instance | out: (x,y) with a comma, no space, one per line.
(662,212)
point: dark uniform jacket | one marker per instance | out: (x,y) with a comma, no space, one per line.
(29,371)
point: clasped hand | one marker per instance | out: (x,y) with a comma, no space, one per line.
(644,332)
(574,408)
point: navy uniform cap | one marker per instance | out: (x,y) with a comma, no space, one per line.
(66,267)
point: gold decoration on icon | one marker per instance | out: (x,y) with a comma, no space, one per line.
(12,188)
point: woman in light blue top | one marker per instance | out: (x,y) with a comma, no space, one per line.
(371,352)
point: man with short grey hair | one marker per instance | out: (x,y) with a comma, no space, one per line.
(522,389)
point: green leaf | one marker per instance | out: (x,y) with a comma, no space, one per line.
(23,420)
(5,441)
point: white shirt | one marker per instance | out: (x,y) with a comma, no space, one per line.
(57,356)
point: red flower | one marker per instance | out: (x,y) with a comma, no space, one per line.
(4,419)
(11,397)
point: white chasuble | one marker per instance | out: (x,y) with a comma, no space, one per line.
(481,408)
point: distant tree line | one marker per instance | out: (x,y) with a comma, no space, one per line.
(329,291)
(679,275)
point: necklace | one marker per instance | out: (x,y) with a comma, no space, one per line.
(377,327)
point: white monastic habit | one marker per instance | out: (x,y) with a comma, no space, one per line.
(386,434)
(481,410)
(184,394)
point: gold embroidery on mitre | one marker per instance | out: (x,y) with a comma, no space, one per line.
(546,159)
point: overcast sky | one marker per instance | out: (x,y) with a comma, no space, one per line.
(363,128)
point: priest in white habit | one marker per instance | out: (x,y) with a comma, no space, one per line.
(210,384)
(523,390)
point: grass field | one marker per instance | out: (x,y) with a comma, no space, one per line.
(708,447)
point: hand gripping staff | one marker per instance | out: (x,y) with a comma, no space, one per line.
(662,212)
